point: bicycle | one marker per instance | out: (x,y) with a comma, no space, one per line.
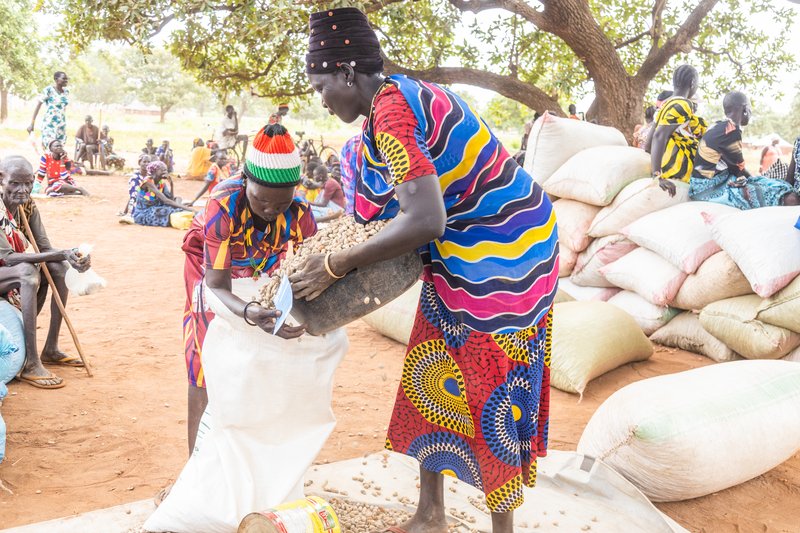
(308,150)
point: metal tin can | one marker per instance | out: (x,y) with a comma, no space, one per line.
(309,515)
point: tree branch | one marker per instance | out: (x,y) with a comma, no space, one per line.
(169,18)
(633,39)
(657,58)
(512,88)
(727,53)
(282,94)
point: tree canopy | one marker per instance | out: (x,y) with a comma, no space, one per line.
(20,70)
(542,54)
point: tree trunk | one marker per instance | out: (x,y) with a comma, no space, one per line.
(163,113)
(618,103)
(3,101)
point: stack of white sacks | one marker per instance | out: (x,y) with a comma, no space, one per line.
(697,276)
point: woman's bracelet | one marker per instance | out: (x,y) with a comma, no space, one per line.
(328,266)
(244,315)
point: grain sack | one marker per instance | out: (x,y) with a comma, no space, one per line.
(553,140)
(783,309)
(650,317)
(562,297)
(566,261)
(679,233)
(718,278)
(764,243)
(600,253)
(734,322)
(269,400)
(689,434)
(647,274)
(586,294)
(794,356)
(396,319)
(590,339)
(573,223)
(596,175)
(636,200)
(686,333)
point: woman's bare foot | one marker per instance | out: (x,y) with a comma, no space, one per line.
(423,523)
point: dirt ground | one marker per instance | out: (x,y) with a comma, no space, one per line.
(121,435)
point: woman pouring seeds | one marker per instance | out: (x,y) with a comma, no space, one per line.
(474,393)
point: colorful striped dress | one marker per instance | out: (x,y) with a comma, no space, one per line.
(678,159)
(224,237)
(474,395)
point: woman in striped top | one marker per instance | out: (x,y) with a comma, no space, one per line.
(474,394)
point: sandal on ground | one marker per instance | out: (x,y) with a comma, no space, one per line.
(36,381)
(75,362)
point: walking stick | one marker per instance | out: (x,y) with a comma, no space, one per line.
(56,296)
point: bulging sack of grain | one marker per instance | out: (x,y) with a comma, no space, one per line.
(686,333)
(573,223)
(650,317)
(600,253)
(718,278)
(679,233)
(689,434)
(734,321)
(396,319)
(647,274)
(636,200)
(553,140)
(794,356)
(562,297)
(596,175)
(783,309)
(586,294)
(764,243)
(590,339)
(566,261)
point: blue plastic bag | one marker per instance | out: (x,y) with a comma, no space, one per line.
(12,341)
(3,392)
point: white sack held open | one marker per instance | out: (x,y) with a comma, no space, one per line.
(689,434)
(83,283)
(269,400)
(553,140)
(764,243)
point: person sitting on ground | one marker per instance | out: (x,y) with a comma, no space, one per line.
(719,173)
(769,155)
(219,171)
(149,147)
(330,202)
(642,132)
(199,161)
(54,173)
(155,201)
(164,154)
(308,189)
(22,279)
(87,140)
(677,131)
(573,112)
(134,182)
(228,133)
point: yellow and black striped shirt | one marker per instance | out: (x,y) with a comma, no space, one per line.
(679,154)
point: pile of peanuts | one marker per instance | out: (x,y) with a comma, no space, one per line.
(355,517)
(341,234)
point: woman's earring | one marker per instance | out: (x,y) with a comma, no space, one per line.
(349,83)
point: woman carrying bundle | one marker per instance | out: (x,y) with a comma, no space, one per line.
(246,229)
(155,201)
(474,394)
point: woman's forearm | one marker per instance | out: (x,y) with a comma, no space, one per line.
(219,281)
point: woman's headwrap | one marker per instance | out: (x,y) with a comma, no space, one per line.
(273,160)
(155,165)
(342,36)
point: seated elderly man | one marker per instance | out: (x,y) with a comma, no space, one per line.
(87,140)
(21,278)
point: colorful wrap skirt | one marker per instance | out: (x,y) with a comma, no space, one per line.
(474,405)
(759,191)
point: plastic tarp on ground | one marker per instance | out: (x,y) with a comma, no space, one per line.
(572,490)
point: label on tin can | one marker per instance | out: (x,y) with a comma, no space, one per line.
(311,515)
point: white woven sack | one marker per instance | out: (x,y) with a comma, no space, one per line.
(553,140)
(636,200)
(764,243)
(679,233)
(647,274)
(596,175)
(396,319)
(783,309)
(600,253)
(590,339)
(693,433)
(734,321)
(587,294)
(794,356)
(686,333)
(573,223)
(566,261)
(650,317)
(718,278)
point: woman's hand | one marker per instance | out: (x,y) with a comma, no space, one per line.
(265,319)
(739,182)
(29,129)
(667,185)
(313,279)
